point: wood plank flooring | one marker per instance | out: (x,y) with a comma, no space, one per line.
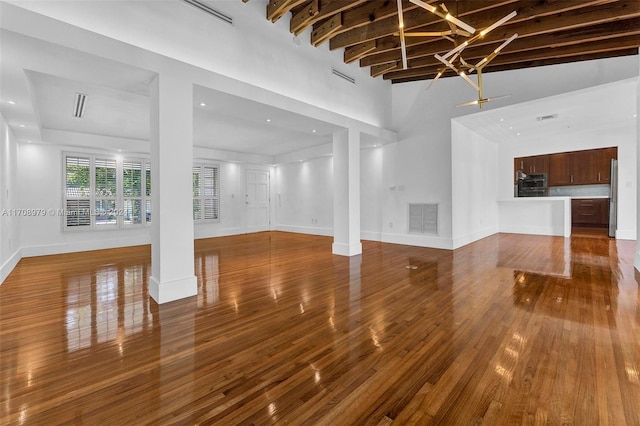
(512,330)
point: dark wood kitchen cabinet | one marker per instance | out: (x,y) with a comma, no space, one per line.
(606,155)
(589,167)
(536,164)
(561,169)
(590,212)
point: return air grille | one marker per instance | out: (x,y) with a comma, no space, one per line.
(211,11)
(423,219)
(78,106)
(343,76)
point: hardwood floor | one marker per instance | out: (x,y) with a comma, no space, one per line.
(511,329)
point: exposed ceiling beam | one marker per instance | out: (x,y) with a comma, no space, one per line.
(276,9)
(414,18)
(531,64)
(568,20)
(325,9)
(543,54)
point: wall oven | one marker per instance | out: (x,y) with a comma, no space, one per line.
(533,185)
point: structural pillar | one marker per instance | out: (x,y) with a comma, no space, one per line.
(346,193)
(636,260)
(171,134)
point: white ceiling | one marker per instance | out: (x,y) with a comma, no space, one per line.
(600,107)
(41,79)
(117,103)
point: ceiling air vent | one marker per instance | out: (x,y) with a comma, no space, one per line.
(547,117)
(343,76)
(211,11)
(78,108)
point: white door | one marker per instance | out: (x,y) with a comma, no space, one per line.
(257,198)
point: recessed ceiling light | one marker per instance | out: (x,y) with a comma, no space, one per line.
(28,141)
(375,146)
(12,103)
(502,119)
(314,130)
(23,125)
(202,104)
(510,127)
(635,115)
(119,150)
(518,134)
(268,120)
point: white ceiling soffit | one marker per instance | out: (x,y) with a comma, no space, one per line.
(601,107)
(232,123)
(107,111)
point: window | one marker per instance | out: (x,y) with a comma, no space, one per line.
(106,193)
(206,192)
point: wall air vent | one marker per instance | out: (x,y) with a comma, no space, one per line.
(78,107)
(547,117)
(423,219)
(343,76)
(211,11)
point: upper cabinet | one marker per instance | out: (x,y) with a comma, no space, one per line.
(535,165)
(561,169)
(590,167)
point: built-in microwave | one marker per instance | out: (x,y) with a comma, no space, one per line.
(533,185)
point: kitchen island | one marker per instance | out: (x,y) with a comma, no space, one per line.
(535,215)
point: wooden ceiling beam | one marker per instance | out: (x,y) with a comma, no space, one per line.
(356,52)
(530,64)
(318,10)
(276,9)
(382,69)
(568,20)
(414,18)
(543,54)
(628,29)
(326,30)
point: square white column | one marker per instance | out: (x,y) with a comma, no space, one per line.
(172,263)
(346,193)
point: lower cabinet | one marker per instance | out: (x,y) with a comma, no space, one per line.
(590,211)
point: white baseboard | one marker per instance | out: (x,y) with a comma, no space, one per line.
(347,249)
(474,236)
(9,265)
(172,290)
(73,246)
(327,232)
(625,234)
(532,230)
(418,240)
(371,235)
(212,233)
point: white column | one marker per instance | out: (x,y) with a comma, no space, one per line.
(636,261)
(346,193)
(172,265)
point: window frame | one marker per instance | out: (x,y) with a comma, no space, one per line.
(203,197)
(119,196)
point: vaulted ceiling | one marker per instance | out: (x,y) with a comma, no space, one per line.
(549,32)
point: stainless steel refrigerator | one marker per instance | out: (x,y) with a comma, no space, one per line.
(613,200)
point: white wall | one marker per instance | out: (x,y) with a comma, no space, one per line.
(421,160)
(10,252)
(304,196)
(40,183)
(474,185)
(251,50)
(371,161)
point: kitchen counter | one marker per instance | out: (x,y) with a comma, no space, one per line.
(535,215)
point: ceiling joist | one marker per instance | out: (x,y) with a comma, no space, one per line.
(549,31)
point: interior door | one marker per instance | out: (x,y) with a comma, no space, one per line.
(257,201)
